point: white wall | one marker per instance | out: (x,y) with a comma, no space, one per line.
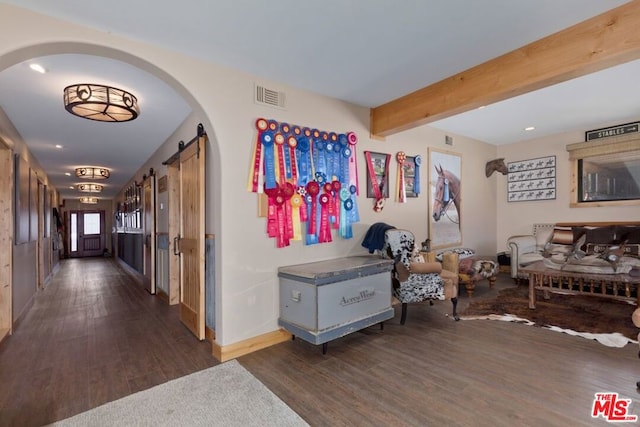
(518,217)
(246,260)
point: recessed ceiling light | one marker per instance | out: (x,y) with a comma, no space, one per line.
(39,68)
(67,173)
(58,146)
(530,128)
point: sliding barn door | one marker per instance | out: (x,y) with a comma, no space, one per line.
(192,295)
(149,226)
(6,239)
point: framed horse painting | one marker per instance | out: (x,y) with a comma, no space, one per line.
(445,201)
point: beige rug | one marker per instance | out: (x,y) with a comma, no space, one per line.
(225,395)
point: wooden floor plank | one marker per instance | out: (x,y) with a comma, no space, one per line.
(435,371)
(95,335)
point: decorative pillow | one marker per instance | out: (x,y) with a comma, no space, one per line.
(603,235)
(579,232)
(462,253)
(562,236)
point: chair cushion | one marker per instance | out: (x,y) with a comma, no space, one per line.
(420,287)
(530,258)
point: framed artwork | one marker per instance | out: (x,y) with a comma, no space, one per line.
(445,198)
(533,179)
(380,166)
(409,172)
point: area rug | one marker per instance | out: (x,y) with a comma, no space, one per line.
(607,321)
(225,395)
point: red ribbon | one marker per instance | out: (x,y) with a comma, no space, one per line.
(325,227)
(272,217)
(288,191)
(313,188)
(379,204)
(261,125)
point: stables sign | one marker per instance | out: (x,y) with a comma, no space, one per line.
(612,131)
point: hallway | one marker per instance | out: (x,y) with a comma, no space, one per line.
(92,335)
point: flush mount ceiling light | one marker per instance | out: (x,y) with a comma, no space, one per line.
(89,200)
(92,173)
(89,188)
(101,103)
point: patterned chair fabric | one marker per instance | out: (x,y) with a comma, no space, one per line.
(418,287)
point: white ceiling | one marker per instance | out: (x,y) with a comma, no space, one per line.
(366,52)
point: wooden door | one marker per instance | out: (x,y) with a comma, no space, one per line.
(6,239)
(191,242)
(149,227)
(86,233)
(173,178)
(41,243)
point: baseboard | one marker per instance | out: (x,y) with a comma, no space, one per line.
(209,334)
(163,296)
(20,317)
(133,273)
(232,351)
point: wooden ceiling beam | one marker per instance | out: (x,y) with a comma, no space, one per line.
(598,43)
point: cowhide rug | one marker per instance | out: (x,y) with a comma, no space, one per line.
(607,321)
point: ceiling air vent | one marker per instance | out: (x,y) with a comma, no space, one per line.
(269,97)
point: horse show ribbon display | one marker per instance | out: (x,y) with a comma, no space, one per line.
(308,176)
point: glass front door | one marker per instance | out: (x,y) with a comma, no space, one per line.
(86,231)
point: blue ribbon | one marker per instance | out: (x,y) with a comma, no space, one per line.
(287,160)
(445,193)
(328,155)
(346,205)
(269,159)
(320,161)
(304,167)
(355,216)
(416,175)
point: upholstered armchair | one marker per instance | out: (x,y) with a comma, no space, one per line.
(417,281)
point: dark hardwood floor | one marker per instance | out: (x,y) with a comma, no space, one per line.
(95,335)
(434,371)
